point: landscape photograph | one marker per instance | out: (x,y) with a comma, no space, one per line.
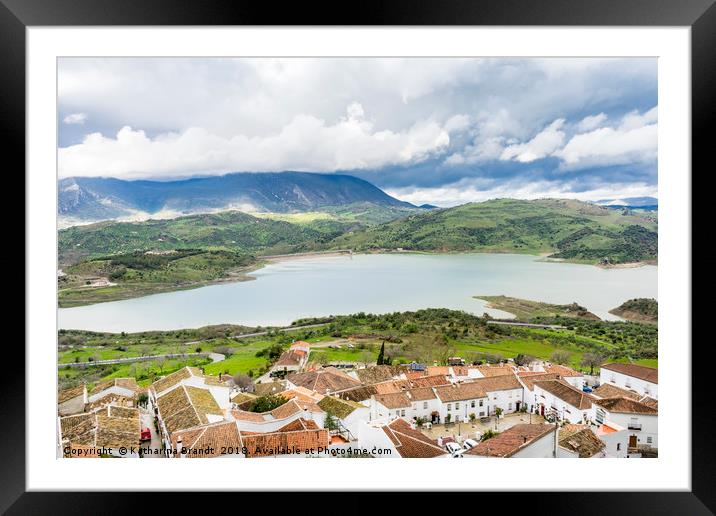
(357,258)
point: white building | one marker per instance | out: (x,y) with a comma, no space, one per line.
(565,402)
(639,420)
(641,379)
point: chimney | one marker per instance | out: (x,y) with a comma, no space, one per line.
(440,441)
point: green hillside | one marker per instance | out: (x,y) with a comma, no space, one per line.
(565,229)
(230,230)
(640,310)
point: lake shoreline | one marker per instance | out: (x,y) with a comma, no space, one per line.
(244,274)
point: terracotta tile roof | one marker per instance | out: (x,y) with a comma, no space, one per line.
(125,383)
(78,429)
(174,378)
(208,440)
(607,390)
(580,439)
(650,402)
(270,387)
(411,443)
(278,443)
(421,394)
(391,387)
(379,373)
(324,381)
(625,406)
(292,357)
(245,415)
(360,393)
(117,411)
(563,371)
(529,380)
(299,424)
(302,394)
(338,407)
(460,392)
(243,397)
(495,370)
(501,382)
(437,370)
(567,393)
(287,409)
(68,394)
(393,400)
(186,407)
(649,374)
(510,441)
(429,381)
(113,432)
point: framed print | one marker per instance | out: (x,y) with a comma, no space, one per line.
(260,252)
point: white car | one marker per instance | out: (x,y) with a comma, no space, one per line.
(453,448)
(469,443)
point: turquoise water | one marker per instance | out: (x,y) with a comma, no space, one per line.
(286,291)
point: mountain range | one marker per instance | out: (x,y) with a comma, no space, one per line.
(90,199)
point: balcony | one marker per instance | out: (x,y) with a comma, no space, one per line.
(634,426)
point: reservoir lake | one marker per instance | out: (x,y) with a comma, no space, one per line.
(377,283)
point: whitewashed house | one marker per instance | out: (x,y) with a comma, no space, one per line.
(579,442)
(459,401)
(639,419)
(615,439)
(411,404)
(641,379)
(504,391)
(562,400)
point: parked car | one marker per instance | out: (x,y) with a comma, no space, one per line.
(587,388)
(145,434)
(452,448)
(469,443)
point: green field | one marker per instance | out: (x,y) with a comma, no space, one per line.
(427,336)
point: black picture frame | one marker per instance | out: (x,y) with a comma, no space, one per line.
(700,15)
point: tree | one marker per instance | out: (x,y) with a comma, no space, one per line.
(381,354)
(330,421)
(266,403)
(560,357)
(591,360)
(244,382)
(524,360)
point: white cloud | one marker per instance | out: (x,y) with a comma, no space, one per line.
(634,140)
(542,145)
(470,191)
(75,118)
(306,143)
(589,123)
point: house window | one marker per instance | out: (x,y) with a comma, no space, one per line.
(481,403)
(509,406)
(472,404)
(449,407)
(457,406)
(402,412)
(649,440)
(619,446)
(510,394)
(425,404)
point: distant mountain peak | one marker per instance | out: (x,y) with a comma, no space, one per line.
(88,199)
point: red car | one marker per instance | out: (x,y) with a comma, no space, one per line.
(145,435)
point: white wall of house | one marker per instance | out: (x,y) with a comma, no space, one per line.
(629,382)
(353,420)
(72,406)
(574,381)
(461,410)
(508,400)
(616,444)
(564,410)
(642,426)
(371,438)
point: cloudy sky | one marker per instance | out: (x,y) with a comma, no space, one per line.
(442,131)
